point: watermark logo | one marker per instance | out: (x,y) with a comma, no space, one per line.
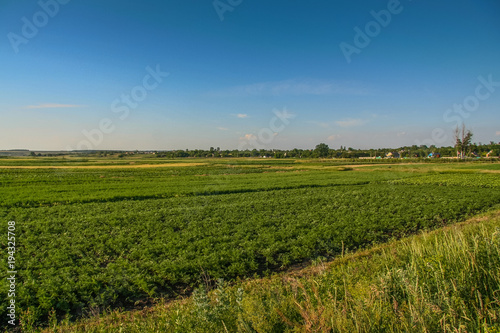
(121,106)
(223,6)
(11,272)
(266,135)
(363,37)
(471,103)
(30,27)
(461,111)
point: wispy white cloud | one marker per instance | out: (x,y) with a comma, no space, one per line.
(350,122)
(248,137)
(242,115)
(497,133)
(354,122)
(222,129)
(319,123)
(53,105)
(399,134)
(333,137)
(294,87)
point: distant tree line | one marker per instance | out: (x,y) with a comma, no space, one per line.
(322,150)
(463,148)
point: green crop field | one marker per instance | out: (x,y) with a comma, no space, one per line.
(108,233)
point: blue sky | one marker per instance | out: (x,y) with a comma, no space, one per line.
(187,74)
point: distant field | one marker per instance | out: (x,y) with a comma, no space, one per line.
(108,233)
(100,166)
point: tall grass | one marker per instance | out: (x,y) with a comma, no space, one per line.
(444,281)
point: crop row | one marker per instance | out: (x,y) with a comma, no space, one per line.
(454,179)
(34,188)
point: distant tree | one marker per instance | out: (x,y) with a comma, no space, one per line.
(463,141)
(306,153)
(181,153)
(322,150)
